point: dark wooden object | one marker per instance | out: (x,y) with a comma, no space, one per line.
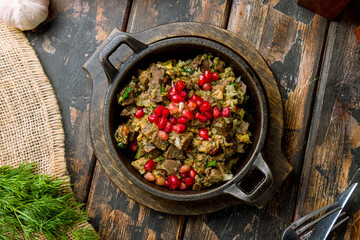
(326,8)
(274,156)
(357,33)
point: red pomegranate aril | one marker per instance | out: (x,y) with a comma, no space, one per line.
(226,112)
(149,176)
(199,102)
(207,87)
(181,120)
(184,168)
(134,146)
(201,117)
(153,119)
(176,98)
(209,115)
(163,135)
(183,186)
(162,122)
(168,127)
(215,76)
(172,120)
(191,105)
(202,80)
(180,85)
(184,175)
(214,152)
(158,110)
(149,165)
(173,108)
(178,128)
(189,181)
(165,112)
(192,173)
(216,112)
(195,97)
(139,112)
(208,75)
(205,107)
(187,114)
(167,184)
(204,134)
(183,95)
(173,179)
(173,91)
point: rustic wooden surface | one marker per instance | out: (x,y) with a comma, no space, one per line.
(326,8)
(292,40)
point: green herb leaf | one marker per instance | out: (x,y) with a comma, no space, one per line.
(187,70)
(211,164)
(121,145)
(138,152)
(233,84)
(213,83)
(162,89)
(159,158)
(126,93)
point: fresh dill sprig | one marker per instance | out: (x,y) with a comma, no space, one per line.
(33,203)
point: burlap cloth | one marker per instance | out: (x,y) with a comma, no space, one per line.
(30,120)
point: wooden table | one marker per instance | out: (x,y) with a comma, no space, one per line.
(316,63)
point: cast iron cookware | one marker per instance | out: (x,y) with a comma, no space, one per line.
(252,176)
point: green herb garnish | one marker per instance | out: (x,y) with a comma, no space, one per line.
(162,89)
(159,158)
(126,93)
(138,152)
(33,203)
(211,164)
(213,83)
(212,69)
(187,70)
(233,84)
(121,145)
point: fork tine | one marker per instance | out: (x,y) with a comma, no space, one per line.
(337,224)
(312,223)
(300,221)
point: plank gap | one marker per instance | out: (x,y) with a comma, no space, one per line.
(227,12)
(90,177)
(127,15)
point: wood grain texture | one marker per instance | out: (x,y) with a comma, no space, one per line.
(333,158)
(290,38)
(326,8)
(70,35)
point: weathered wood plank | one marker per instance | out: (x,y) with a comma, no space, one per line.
(333,156)
(290,38)
(70,35)
(144,15)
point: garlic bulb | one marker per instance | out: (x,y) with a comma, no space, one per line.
(23,14)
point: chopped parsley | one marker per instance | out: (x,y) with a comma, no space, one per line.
(187,70)
(211,164)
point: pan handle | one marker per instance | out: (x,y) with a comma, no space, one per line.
(257,191)
(111,47)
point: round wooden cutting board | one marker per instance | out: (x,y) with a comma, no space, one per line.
(273,154)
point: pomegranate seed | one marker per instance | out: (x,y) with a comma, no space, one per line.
(215,76)
(202,80)
(208,75)
(183,95)
(173,91)
(184,168)
(173,108)
(180,85)
(149,176)
(189,181)
(183,186)
(205,107)
(158,110)
(168,127)
(162,122)
(139,112)
(209,115)
(184,175)
(204,134)
(134,146)
(165,112)
(214,152)
(192,173)
(216,112)
(173,179)
(176,98)
(163,135)
(181,120)
(191,105)
(226,112)
(175,186)
(149,165)
(201,117)
(181,106)
(178,128)
(172,120)
(199,102)
(195,97)
(160,181)
(153,119)
(167,184)
(207,87)
(187,114)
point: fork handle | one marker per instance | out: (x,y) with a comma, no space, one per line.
(252,196)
